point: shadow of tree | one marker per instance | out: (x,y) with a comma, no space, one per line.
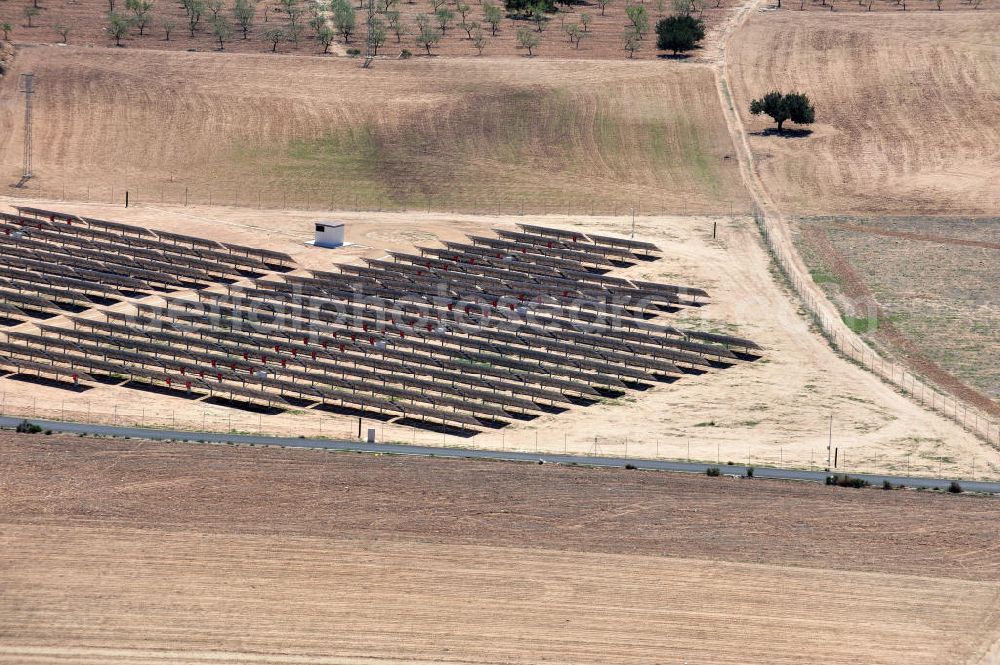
(786,133)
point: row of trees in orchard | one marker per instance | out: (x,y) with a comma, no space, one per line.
(213,15)
(337,19)
(645,23)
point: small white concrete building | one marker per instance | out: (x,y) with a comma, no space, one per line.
(329,234)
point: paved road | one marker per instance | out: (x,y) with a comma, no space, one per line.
(402,449)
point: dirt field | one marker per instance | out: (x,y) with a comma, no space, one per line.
(474,135)
(932,282)
(219,554)
(774,411)
(906,110)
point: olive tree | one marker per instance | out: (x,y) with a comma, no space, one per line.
(493,15)
(427,35)
(142,13)
(527,39)
(632,41)
(168,26)
(479,39)
(343,18)
(793,106)
(222,30)
(395,22)
(275,36)
(62,31)
(244,12)
(444,18)
(679,33)
(638,18)
(117,28)
(30,12)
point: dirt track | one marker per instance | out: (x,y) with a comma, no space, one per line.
(214,554)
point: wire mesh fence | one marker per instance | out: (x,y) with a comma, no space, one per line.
(196,417)
(279,198)
(853,347)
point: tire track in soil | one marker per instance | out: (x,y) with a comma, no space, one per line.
(908,235)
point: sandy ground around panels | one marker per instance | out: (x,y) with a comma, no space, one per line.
(776,410)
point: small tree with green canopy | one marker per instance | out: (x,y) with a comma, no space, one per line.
(63,32)
(6,27)
(222,31)
(117,28)
(395,22)
(639,18)
(444,18)
(294,29)
(275,36)
(527,39)
(632,41)
(325,36)
(603,4)
(142,13)
(793,106)
(30,12)
(538,16)
(479,40)
(168,27)
(679,33)
(214,6)
(493,15)
(427,35)
(377,35)
(195,8)
(244,12)
(344,18)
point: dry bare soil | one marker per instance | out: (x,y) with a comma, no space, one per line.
(140,552)
(906,110)
(472,134)
(773,411)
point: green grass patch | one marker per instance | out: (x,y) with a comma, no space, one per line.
(823,276)
(861,325)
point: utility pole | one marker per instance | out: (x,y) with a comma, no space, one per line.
(371,47)
(829,443)
(26,84)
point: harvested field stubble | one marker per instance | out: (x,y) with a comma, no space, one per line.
(906,110)
(449,134)
(144,551)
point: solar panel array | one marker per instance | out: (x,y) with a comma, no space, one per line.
(471,335)
(56,262)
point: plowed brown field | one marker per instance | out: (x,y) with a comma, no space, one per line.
(139,552)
